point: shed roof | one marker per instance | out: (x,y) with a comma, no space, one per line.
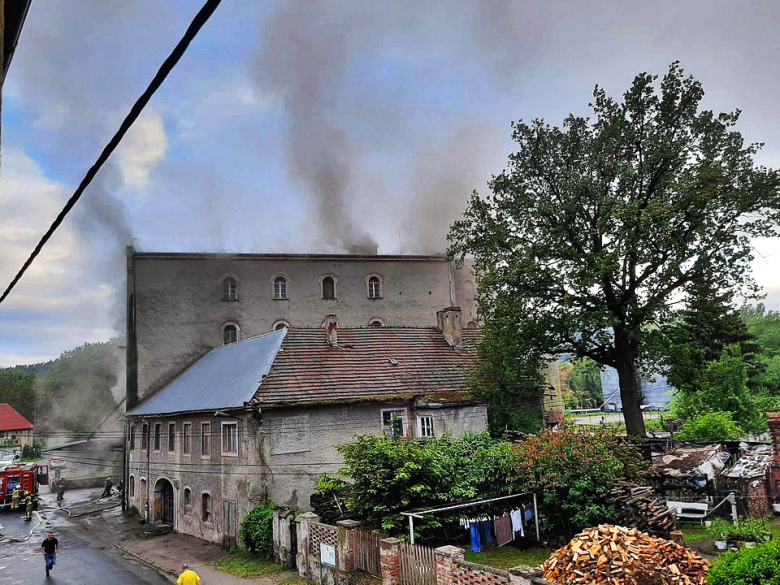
(706,460)
(226,377)
(754,462)
(11,420)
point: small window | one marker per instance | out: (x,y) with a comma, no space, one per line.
(205,440)
(187,445)
(376,323)
(132,437)
(131,486)
(171,437)
(393,423)
(280,324)
(374,288)
(229,334)
(145,437)
(328,288)
(187,497)
(425,427)
(157,436)
(230,289)
(280,287)
(206,507)
(471,325)
(230,438)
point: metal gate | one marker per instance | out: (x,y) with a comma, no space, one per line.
(367,552)
(418,565)
(229,524)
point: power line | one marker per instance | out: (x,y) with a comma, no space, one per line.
(197,23)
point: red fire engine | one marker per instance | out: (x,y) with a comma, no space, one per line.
(25,476)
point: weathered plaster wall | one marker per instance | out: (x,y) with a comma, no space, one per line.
(180,311)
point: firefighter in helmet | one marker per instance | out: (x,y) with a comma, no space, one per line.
(107,488)
(15,496)
(29,504)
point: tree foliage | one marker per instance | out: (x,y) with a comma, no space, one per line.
(712,426)
(583,382)
(17,388)
(596,231)
(257,532)
(748,566)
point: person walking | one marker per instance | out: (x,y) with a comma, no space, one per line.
(60,491)
(49,548)
(28,503)
(188,576)
(15,499)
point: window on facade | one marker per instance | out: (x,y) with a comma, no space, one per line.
(187,444)
(280,287)
(132,437)
(145,437)
(393,423)
(230,289)
(425,427)
(187,497)
(131,486)
(205,439)
(375,323)
(206,507)
(374,288)
(171,437)
(471,325)
(230,438)
(229,334)
(328,288)
(157,435)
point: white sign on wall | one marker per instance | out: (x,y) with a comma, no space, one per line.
(328,555)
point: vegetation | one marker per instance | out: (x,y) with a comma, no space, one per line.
(17,388)
(595,236)
(507,557)
(257,531)
(247,566)
(582,384)
(713,426)
(748,566)
(33,452)
(746,530)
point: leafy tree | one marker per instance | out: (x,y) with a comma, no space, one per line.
(584,382)
(257,531)
(17,388)
(596,231)
(713,426)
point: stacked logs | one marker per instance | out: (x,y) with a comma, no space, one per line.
(641,508)
(330,508)
(613,555)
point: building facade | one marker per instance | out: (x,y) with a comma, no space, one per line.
(260,419)
(182,305)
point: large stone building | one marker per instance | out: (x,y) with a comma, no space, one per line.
(182,305)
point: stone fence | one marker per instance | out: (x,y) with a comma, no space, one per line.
(325,554)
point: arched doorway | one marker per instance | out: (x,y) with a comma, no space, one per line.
(163,501)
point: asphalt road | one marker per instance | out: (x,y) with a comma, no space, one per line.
(598,418)
(80,561)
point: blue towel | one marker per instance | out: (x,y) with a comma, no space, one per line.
(487,528)
(475,544)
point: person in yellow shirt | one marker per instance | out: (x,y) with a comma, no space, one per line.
(188,576)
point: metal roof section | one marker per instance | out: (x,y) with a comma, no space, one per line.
(226,377)
(696,461)
(755,461)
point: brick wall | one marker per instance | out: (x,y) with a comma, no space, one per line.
(773,418)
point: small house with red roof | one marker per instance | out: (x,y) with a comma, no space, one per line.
(260,419)
(14,426)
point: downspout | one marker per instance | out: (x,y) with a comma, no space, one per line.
(148,463)
(125,471)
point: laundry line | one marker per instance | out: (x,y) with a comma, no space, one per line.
(421,514)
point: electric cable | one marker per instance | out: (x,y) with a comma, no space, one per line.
(197,23)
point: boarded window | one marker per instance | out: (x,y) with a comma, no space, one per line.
(280,287)
(328,288)
(291,434)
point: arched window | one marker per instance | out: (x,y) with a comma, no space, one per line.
(230,289)
(187,496)
(328,288)
(206,510)
(471,325)
(131,486)
(229,334)
(376,323)
(280,287)
(374,284)
(280,324)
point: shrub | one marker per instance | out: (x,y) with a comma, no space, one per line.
(747,529)
(257,532)
(713,426)
(748,566)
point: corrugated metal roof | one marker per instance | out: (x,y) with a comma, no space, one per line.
(755,462)
(226,377)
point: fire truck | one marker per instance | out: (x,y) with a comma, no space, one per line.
(25,476)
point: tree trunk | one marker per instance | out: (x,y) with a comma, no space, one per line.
(630,387)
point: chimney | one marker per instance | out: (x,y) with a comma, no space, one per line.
(449,323)
(331,325)
(773,418)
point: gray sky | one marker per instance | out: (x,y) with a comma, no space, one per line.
(299,127)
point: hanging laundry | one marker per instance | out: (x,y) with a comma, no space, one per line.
(487,529)
(529,514)
(517,521)
(475,543)
(503,528)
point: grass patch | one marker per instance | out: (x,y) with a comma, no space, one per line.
(241,563)
(293,579)
(695,533)
(507,557)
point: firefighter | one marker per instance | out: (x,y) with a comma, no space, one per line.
(28,502)
(120,487)
(107,488)
(60,491)
(15,499)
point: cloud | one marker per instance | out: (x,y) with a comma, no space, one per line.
(141,150)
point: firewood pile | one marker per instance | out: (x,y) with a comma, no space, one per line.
(640,507)
(330,508)
(613,555)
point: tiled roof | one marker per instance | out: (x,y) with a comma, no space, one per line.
(369,363)
(10,420)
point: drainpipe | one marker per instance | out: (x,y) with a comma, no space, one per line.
(125,462)
(148,463)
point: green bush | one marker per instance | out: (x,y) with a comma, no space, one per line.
(713,426)
(257,532)
(747,529)
(748,566)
